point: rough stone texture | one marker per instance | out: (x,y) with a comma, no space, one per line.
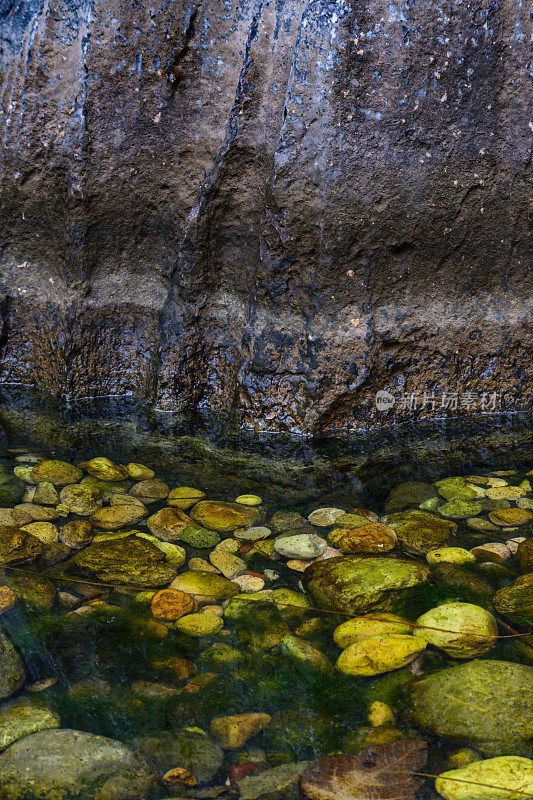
(268,208)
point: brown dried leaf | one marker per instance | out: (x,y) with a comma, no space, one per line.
(383,772)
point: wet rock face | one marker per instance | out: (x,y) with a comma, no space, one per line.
(270,208)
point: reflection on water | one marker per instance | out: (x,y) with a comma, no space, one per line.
(249,627)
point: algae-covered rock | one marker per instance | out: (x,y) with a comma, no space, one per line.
(184,497)
(22,718)
(305,654)
(353,584)
(524,555)
(111,518)
(104,469)
(503,778)
(35,592)
(129,560)
(168,523)
(516,602)
(60,473)
(376,624)
(171,604)
(487,705)
(509,517)
(196,536)
(205,585)
(106,488)
(12,672)
(456,489)
(463,583)
(460,509)
(409,495)
(380,654)
(373,537)
(192,750)
(37,513)
(61,764)
(224,517)
(234,731)
(248,500)
(420,531)
(199,624)
(11,490)
(46,532)
(17,545)
(462,630)
(81,499)
(292,606)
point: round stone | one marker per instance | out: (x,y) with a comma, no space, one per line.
(104,469)
(302,546)
(325,517)
(60,473)
(199,624)
(481,524)
(81,499)
(205,585)
(419,531)
(171,604)
(37,513)
(491,551)
(114,517)
(249,583)
(249,500)
(368,626)
(76,533)
(184,497)
(46,493)
(509,517)
(456,488)
(234,731)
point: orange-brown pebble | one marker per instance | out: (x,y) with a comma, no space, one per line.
(171,604)
(179,776)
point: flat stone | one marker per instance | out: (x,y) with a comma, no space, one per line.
(419,531)
(139,472)
(224,517)
(196,536)
(409,495)
(205,585)
(380,654)
(191,749)
(228,564)
(325,517)
(59,473)
(76,533)
(171,604)
(199,624)
(151,489)
(18,545)
(374,537)
(46,532)
(278,783)
(253,534)
(37,513)
(129,560)
(509,517)
(104,469)
(460,509)
(505,492)
(184,497)
(46,493)
(450,555)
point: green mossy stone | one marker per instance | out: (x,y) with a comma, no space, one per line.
(354,585)
(199,624)
(305,654)
(504,778)
(18,546)
(463,584)
(524,554)
(224,517)
(12,672)
(207,585)
(460,509)
(168,523)
(106,488)
(450,555)
(419,531)
(196,536)
(462,630)
(221,655)
(60,473)
(46,494)
(377,624)
(409,495)
(456,489)
(23,718)
(129,560)
(194,751)
(61,764)
(112,518)
(293,606)
(81,499)
(11,490)
(76,533)
(278,783)
(516,603)
(380,654)
(484,704)
(35,592)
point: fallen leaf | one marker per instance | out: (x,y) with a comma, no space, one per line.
(383,772)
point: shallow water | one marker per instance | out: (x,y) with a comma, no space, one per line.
(117,671)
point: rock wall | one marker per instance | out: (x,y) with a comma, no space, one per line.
(265,209)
